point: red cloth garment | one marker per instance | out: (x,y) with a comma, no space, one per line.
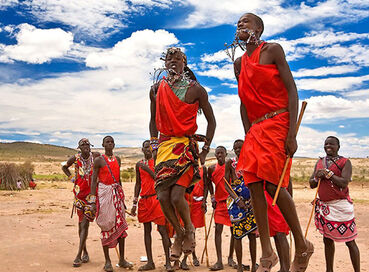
(114,195)
(196,199)
(149,209)
(276,221)
(104,173)
(173,116)
(82,184)
(328,190)
(221,215)
(32,184)
(262,91)
(186,179)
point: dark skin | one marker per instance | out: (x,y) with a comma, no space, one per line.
(99,163)
(196,262)
(84,225)
(173,199)
(147,226)
(272,53)
(220,154)
(230,174)
(331,148)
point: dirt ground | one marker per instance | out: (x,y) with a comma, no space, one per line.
(37,233)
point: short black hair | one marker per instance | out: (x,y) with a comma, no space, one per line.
(238,140)
(334,137)
(220,146)
(107,136)
(258,21)
(146,141)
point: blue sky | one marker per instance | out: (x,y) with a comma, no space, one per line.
(72,69)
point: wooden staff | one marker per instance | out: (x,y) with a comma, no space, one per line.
(230,187)
(303,107)
(312,210)
(207,237)
(206,248)
(117,251)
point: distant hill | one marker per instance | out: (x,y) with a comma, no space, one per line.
(34,151)
(20,151)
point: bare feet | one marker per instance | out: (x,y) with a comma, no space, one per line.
(301,261)
(216,267)
(147,267)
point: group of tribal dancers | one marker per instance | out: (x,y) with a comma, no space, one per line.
(172,183)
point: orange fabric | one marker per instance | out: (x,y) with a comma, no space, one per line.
(217,178)
(149,209)
(173,116)
(221,215)
(104,173)
(261,90)
(186,179)
(276,221)
(147,182)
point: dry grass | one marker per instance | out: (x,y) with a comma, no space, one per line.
(10,173)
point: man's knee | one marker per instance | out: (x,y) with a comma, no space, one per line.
(256,187)
(163,197)
(271,188)
(351,244)
(328,242)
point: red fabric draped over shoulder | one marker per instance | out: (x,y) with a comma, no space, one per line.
(173,116)
(262,91)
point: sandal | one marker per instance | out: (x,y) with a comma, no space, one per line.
(196,262)
(108,267)
(184,266)
(176,248)
(85,258)
(125,264)
(301,261)
(77,262)
(189,242)
(216,267)
(232,263)
(267,263)
(147,267)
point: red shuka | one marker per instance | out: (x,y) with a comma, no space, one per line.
(197,214)
(328,191)
(149,209)
(173,116)
(221,215)
(104,173)
(262,91)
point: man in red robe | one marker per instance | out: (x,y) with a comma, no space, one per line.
(149,209)
(219,201)
(83,166)
(269,105)
(175,102)
(107,199)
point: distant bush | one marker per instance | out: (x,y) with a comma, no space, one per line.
(10,173)
(128,175)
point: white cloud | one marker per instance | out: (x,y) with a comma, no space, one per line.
(220,72)
(7,3)
(275,13)
(326,70)
(90,103)
(331,84)
(323,108)
(37,45)
(141,48)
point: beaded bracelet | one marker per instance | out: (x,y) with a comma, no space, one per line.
(154,143)
(328,174)
(91,199)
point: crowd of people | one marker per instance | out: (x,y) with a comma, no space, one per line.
(172,182)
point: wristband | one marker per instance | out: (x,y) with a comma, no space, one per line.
(72,178)
(206,148)
(134,204)
(154,143)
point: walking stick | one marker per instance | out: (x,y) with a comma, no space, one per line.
(117,251)
(290,247)
(312,210)
(206,248)
(207,237)
(303,107)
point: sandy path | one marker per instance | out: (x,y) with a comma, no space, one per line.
(37,233)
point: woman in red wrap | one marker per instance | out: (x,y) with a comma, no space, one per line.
(269,105)
(175,102)
(149,209)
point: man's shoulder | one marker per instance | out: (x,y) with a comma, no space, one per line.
(274,48)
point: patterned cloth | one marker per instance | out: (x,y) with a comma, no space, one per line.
(336,220)
(243,221)
(176,156)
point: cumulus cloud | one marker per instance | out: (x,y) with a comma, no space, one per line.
(36,45)
(331,84)
(90,103)
(275,13)
(326,70)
